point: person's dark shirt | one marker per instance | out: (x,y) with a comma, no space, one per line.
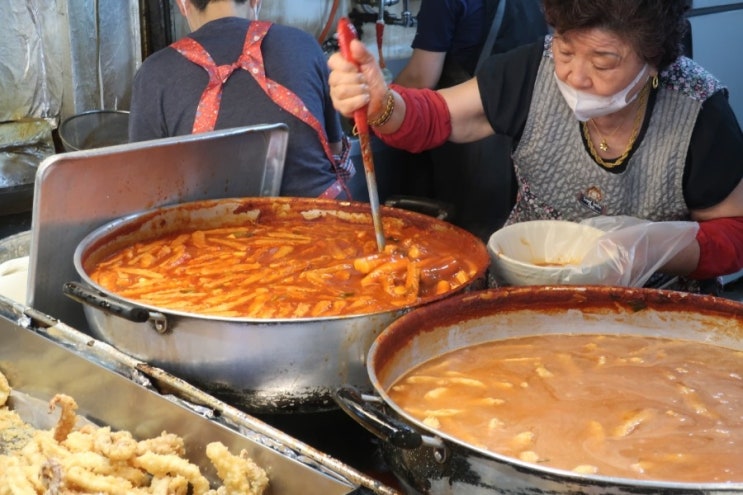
(167,89)
(457,27)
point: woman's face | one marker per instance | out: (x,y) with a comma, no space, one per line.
(596,61)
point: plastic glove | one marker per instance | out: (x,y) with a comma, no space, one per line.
(632,249)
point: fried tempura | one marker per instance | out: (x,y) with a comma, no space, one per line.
(4,390)
(97,460)
(67,418)
(232,470)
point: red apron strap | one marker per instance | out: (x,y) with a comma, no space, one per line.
(208,109)
(251,60)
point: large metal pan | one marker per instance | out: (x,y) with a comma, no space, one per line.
(427,461)
(260,365)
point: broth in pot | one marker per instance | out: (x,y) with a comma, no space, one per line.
(315,263)
(627,406)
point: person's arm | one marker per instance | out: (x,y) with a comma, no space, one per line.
(731,206)
(435,32)
(352,88)
(713,189)
(422,70)
(718,249)
(468,120)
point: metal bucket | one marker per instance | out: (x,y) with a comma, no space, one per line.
(94,129)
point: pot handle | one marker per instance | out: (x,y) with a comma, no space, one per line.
(427,206)
(137,314)
(382,426)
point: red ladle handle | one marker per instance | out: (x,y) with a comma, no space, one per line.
(346,33)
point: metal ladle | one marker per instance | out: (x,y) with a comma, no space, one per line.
(346,33)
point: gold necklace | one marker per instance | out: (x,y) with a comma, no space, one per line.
(603,145)
(635,131)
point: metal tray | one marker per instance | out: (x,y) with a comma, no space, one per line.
(41,357)
(76,192)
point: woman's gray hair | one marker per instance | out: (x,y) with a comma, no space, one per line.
(654,28)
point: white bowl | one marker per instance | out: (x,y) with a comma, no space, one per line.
(544,252)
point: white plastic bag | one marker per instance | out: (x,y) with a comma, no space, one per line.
(632,249)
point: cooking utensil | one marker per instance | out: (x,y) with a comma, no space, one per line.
(246,361)
(380,34)
(94,129)
(346,33)
(434,463)
(380,43)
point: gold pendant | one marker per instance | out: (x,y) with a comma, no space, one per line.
(603,146)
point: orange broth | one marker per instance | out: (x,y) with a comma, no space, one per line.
(624,406)
(290,269)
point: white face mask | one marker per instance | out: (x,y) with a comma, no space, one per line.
(586,106)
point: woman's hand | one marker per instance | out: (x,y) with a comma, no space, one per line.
(355,85)
(631,249)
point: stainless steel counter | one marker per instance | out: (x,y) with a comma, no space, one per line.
(41,357)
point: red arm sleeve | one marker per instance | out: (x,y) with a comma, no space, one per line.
(427,123)
(720,247)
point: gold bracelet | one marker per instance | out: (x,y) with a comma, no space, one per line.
(389,107)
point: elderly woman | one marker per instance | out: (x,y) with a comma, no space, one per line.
(608,119)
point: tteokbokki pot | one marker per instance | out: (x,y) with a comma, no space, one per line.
(560,390)
(269,304)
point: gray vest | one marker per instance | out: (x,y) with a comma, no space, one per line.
(558,178)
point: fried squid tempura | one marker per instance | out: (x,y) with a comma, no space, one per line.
(233,469)
(4,390)
(97,460)
(67,418)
